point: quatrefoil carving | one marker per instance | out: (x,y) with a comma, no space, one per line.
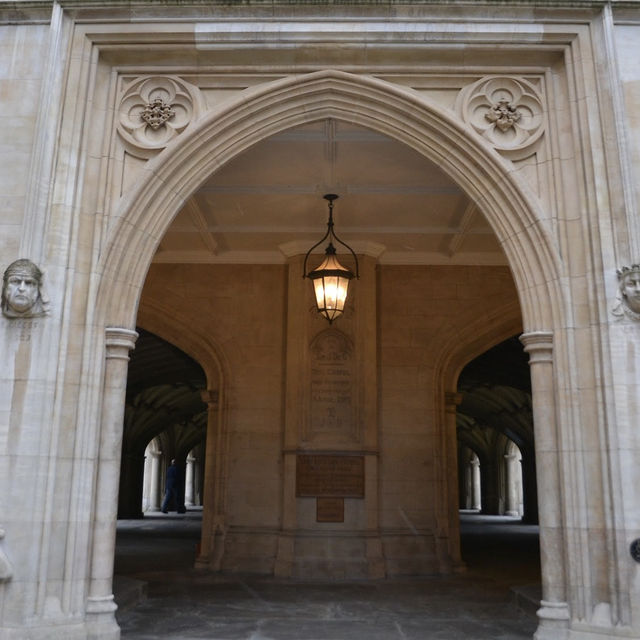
(154,110)
(506,111)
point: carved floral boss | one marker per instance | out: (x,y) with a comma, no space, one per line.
(507,111)
(157,112)
(153,110)
(503,114)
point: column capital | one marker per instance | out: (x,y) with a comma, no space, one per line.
(451,400)
(210,397)
(539,346)
(119,342)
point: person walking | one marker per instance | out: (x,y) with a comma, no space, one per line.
(171,487)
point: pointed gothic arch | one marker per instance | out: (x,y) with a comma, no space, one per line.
(513,212)
(262,111)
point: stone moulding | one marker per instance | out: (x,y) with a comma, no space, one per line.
(153,110)
(506,111)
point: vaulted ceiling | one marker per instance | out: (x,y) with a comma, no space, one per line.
(163,393)
(496,395)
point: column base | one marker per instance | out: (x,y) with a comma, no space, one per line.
(601,633)
(101,619)
(554,621)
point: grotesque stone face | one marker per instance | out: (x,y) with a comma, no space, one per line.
(630,287)
(21,290)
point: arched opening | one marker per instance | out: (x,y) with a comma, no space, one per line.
(496,469)
(165,419)
(495,420)
(466,190)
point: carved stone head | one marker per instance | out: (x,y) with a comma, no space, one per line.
(629,284)
(21,294)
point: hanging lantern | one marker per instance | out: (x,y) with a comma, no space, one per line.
(330,279)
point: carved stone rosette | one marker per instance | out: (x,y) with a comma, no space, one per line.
(155,109)
(506,111)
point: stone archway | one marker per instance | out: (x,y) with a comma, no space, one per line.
(177,172)
(513,212)
(454,355)
(167,324)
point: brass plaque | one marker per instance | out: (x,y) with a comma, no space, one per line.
(330,475)
(329,509)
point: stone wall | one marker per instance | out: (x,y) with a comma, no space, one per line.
(563,200)
(419,311)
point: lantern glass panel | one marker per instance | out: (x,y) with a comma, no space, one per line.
(331,283)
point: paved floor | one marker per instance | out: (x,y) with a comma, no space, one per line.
(181,603)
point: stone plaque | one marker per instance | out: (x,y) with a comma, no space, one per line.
(330,475)
(331,383)
(329,509)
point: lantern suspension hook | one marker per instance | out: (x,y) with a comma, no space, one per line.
(331,235)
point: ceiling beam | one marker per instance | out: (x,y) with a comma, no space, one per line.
(463,228)
(319,189)
(200,223)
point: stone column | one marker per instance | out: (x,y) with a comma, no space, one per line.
(101,622)
(212,537)
(451,475)
(188,482)
(554,611)
(146,482)
(512,481)
(154,484)
(476,487)
(198,480)
(466,502)
(529,486)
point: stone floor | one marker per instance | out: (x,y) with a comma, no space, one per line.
(160,596)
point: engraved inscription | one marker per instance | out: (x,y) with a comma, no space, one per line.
(329,509)
(328,475)
(331,383)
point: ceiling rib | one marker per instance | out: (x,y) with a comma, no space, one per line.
(467,218)
(200,223)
